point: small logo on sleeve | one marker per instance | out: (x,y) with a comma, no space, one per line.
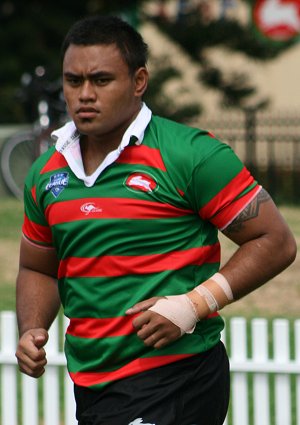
(58,182)
(141,182)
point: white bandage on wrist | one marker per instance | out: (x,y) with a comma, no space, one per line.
(179,309)
(209,298)
(210,295)
(223,284)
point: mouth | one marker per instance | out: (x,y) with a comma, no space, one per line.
(86,112)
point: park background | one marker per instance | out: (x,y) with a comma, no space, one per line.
(211,67)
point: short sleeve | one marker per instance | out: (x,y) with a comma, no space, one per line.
(221,186)
(35,227)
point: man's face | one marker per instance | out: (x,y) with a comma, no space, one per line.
(101,96)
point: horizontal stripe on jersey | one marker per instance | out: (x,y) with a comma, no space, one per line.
(127,237)
(132,368)
(230,212)
(101,328)
(104,208)
(124,265)
(126,290)
(225,196)
(107,327)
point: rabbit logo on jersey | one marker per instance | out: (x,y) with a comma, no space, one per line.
(141,182)
(57,183)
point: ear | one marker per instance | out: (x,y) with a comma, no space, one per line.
(141,78)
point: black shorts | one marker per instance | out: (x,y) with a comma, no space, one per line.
(193,391)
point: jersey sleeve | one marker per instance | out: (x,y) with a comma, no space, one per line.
(35,227)
(221,186)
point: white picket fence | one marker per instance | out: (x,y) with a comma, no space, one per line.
(265,376)
(27,401)
(265,382)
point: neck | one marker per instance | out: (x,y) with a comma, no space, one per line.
(94,148)
(93,153)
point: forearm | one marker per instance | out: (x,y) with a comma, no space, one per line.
(253,264)
(256,262)
(37,301)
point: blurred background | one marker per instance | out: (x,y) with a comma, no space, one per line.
(229,66)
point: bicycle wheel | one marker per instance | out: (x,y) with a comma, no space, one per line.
(17,156)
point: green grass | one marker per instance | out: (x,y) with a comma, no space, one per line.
(11,217)
(7,297)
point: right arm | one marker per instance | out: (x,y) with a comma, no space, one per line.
(37,305)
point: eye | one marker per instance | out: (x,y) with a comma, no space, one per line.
(73,81)
(102,81)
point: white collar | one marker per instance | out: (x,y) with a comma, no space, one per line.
(68,145)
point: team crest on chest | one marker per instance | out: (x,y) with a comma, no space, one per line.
(57,183)
(140,181)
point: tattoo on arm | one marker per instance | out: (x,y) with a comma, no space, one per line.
(249,212)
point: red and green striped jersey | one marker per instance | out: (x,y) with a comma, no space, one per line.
(147,227)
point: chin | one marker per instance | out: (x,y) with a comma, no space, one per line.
(86,126)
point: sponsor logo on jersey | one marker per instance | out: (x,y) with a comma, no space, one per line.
(141,182)
(139,421)
(89,208)
(58,182)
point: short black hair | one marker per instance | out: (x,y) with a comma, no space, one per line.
(106,29)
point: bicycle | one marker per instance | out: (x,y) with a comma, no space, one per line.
(44,101)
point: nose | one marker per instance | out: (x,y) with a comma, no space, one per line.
(87,92)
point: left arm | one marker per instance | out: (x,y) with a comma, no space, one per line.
(266,247)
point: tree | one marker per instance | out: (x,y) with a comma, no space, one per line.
(31,33)
(195,32)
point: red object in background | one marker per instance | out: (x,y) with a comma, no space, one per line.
(278,20)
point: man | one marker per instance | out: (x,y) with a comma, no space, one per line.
(121,225)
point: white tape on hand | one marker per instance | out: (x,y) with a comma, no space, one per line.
(179,309)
